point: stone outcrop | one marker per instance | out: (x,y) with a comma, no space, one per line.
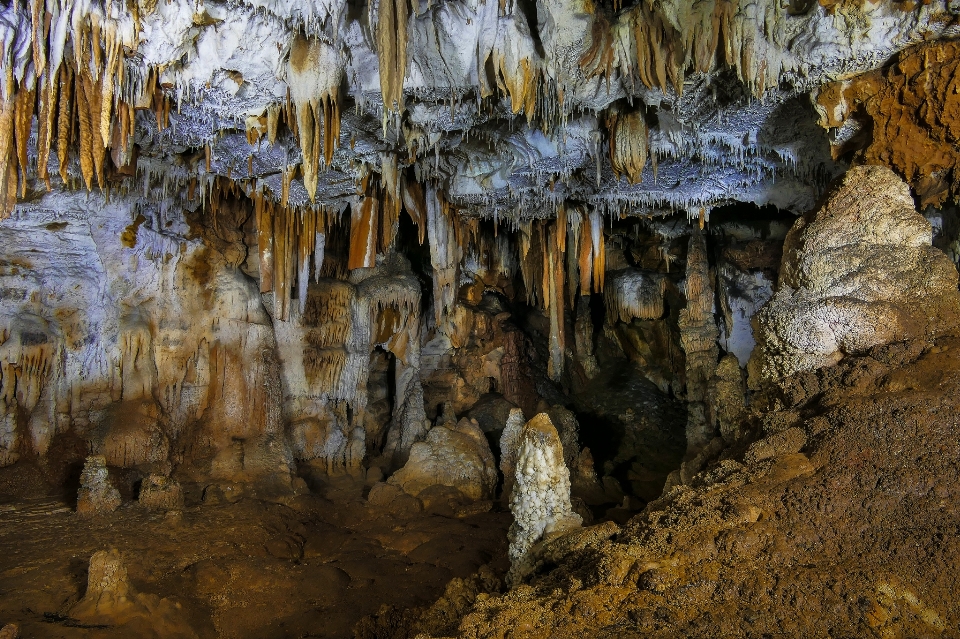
(456,456)
(906,116)
(161,493)
(857,272)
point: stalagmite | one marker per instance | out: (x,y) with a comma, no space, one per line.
(540,501)
(96,496)
(509,447)
(698,337)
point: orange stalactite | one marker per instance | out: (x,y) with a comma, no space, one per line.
(24,107)
(415,203)
(65,119)
(364,220)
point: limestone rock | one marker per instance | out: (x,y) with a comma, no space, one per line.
(728,395)
(905,116)
(458,457)
(161,493)
(540,500)
(858,272)
(491,412)
(96,496)
(393,499)
(509,447)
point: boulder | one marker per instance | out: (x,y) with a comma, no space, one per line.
(457,456)
(858,272)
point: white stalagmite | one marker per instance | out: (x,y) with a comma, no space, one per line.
(509,446)
(540,502)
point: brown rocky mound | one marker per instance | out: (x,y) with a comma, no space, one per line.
(840,519)
(833,512)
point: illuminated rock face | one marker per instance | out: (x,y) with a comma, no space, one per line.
(858,272)
(150,346)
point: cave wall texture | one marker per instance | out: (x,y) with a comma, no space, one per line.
(212,211)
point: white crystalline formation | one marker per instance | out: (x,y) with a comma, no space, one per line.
(540,501)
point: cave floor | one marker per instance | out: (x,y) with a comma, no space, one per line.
(311,567)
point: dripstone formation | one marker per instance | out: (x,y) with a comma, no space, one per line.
(486,318)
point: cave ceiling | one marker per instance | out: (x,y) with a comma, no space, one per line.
(510,110)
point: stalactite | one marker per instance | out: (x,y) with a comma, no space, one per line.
(84,107)
(599,57)
(531,261)
(364,221)
(522,86)
(414,201)
(392,200)
(65,120)
(47,115)
(556,239)
(656,43)
(632,294)
(391,36)
(8,192)
(263,210)
(574,223)
(444,254)
(25,104)
(628,144)
(314,72)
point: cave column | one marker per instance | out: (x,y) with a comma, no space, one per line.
(698,336)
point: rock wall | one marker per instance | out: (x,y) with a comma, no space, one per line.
(148,345)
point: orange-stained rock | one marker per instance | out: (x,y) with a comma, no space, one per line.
(907,118)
